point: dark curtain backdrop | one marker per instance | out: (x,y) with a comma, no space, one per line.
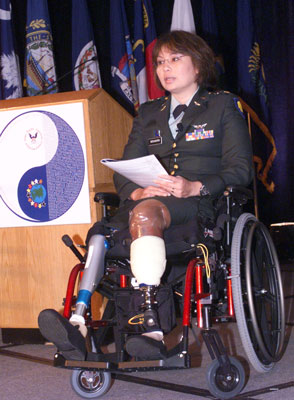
(274,20)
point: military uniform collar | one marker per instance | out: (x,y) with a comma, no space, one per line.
(197,105)
(199,98)
(174,102)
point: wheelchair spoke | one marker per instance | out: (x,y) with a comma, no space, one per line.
(260,311)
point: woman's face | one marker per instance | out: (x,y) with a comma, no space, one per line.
(177,74)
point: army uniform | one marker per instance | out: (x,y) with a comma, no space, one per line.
(212,146)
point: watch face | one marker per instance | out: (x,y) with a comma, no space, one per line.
(204,191)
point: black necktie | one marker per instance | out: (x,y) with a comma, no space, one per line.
(177,111)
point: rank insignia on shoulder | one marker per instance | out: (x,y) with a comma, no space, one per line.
(239,107)
(217,92)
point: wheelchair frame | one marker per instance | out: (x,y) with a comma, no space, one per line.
(225,376)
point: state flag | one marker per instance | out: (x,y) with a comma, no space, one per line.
(144,41)
(150,40)
(40,75)
(86,72)
(121,56)
(211,34)
(139,52)
(252,89)
(10,79)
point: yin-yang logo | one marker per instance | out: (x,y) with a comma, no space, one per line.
(42,166)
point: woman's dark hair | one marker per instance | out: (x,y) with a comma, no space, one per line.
(189,44)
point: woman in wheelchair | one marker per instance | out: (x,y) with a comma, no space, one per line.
(200,136)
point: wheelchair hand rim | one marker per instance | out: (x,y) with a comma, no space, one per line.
(277,353)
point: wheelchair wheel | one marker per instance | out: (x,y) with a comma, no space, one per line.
(90,384)
(257,293)
(222,385)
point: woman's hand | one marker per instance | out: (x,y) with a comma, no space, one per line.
(178,186)
(149,191)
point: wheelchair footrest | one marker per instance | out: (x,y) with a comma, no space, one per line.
(60,361)
(177,361)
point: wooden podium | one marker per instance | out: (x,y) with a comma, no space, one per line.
(34,263)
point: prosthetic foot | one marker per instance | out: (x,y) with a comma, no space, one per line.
(149,345)
(66,337)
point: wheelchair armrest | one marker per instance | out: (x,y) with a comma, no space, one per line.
(107,199)
(238,193)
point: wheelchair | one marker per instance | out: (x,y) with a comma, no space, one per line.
(233,274)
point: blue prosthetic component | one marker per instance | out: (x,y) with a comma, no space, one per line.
(84,297)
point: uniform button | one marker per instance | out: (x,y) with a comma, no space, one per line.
(174,145)
(176,166)
(172,173)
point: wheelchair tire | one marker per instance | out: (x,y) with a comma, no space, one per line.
(257,293)
(225,386)
(90,384)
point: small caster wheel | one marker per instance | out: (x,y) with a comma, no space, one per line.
(225,386)
(90,384)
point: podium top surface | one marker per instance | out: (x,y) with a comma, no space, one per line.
(49,99)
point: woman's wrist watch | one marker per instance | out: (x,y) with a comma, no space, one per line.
(204,191)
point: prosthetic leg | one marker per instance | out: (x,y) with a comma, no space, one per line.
(93,273)
(148,260)
(69,336)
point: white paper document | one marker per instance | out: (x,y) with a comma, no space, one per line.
(142,171)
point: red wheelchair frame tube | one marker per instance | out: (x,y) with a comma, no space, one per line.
(231,311)
(70,289)
(123,281)
(188,291)
(199,290)
(194,271)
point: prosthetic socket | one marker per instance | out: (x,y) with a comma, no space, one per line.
(147,223)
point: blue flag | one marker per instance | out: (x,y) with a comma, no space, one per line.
(211,33)
(10,80)
(251,80)
(40,76)
(139,52)
(144,41)
(86,74)
(122,60)
(252,89)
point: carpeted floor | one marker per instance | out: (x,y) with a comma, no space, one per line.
(26,372)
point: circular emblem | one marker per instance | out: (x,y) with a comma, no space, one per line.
(36,193)
(87,76)
(33,138)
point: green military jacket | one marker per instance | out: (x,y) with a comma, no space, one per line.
(212,145)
